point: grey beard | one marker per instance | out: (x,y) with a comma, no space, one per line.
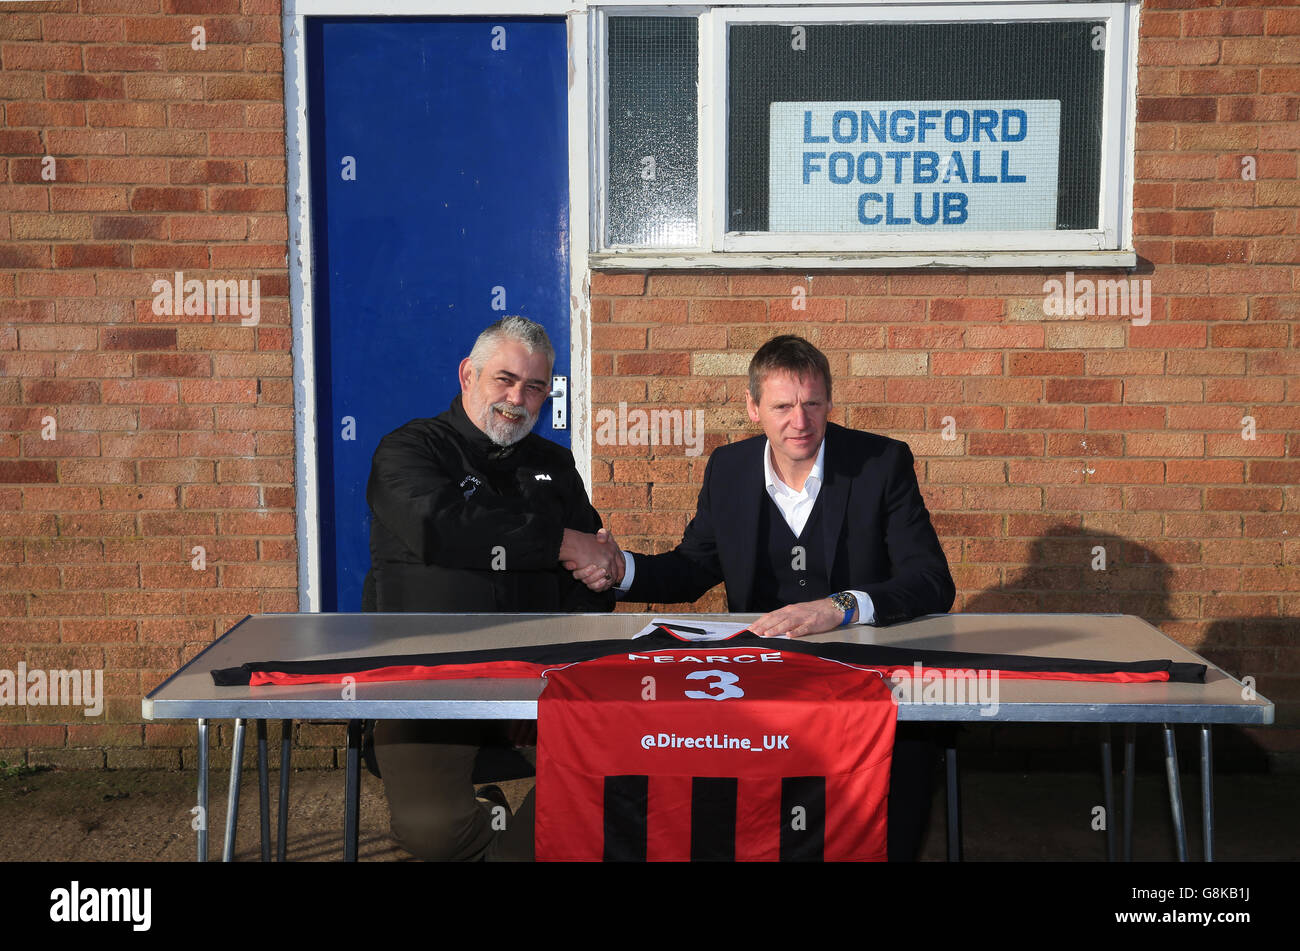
(503,433)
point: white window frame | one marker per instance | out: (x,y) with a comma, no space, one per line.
(1110,244)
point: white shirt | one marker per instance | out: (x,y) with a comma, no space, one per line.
(795,507)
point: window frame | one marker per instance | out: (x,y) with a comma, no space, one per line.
(1107,245)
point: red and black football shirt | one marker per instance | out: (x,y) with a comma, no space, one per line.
(713,753)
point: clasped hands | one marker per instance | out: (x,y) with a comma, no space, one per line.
(597,561)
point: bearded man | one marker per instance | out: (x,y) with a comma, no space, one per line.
(472,512)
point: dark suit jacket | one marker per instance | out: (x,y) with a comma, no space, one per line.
(878,534)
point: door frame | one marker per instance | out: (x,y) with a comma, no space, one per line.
(301,276)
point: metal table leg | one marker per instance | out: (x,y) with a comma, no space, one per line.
(1108,792)
(352,795)
(282,819)
(263,792)
(1175,793)
(232,809)
(954,806)
(1207,793)
(202,816)
(1130,760)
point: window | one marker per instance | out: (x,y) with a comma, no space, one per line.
(980,133)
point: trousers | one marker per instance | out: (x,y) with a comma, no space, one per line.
(427,768)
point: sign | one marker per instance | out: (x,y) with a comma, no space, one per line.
(975,165)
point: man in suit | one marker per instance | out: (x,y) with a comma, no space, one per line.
(817,526)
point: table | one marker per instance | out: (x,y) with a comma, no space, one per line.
(190,693)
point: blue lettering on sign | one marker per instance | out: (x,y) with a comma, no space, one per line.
(875,123)
(954,208)
(907,134)
(986,120)
(921,217)
(890,218)
(950,121)
(915,167)
(862,208)
(922,126)
(953,205)
(838,118)
(1006,171)
(898,164)
(839,178)
(863,158)
(906,125)
(809,167)
(807,129)
(1007,136)
(955,167)
(926,169)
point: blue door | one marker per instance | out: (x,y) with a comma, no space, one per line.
(439,189)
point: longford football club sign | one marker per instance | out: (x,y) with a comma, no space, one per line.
(982,165)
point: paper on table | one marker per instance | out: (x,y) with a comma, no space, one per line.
(694,629)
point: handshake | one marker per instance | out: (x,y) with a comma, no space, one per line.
(595,560)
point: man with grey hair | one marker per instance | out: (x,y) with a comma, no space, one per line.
(473,512)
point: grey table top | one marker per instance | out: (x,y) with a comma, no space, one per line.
(190,693)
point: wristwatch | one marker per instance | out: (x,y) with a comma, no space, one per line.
(846,602)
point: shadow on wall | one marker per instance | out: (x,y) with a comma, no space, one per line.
(1072,570)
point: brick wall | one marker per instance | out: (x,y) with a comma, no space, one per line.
(175,431)
(170,432)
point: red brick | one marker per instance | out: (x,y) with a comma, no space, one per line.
(1221,81)
(1176,109)
(891,309)
(1090,445)
(1204,472)
(24,255)
(1165,336)
(1218,251)
(173,364)
(1174,222)
(1275,472)
(193,172)
(1005,444)
(714,312)
(618,283)
(1083,391)
(92,255)
(45,115)
(1243,500)
(967,309)
(247,143)
(1063,363)
(123,58)
(13,473)
(171,257)
(129,226)
(966,364)
(1125,472)
(167,199)
(84,86)
(1223,22)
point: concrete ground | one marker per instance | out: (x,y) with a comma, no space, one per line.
(145,815)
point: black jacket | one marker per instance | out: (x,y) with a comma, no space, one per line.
(877,532)
(460,524)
